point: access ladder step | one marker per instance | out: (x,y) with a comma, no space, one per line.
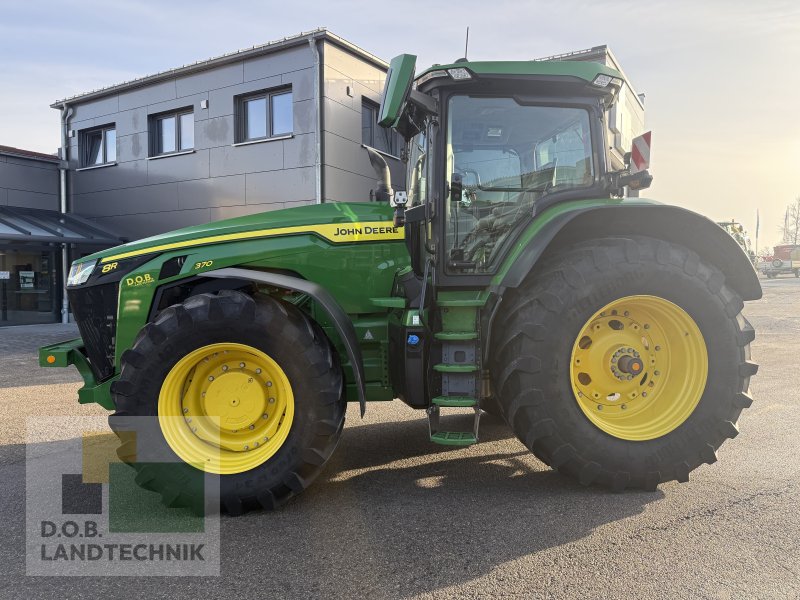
(456,336)
(454,438)
(461,303)
(459,368)
(455,401)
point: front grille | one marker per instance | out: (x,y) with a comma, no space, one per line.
(95,311)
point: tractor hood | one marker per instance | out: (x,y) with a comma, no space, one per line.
(336,222)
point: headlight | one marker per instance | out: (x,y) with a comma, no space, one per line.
(79,272)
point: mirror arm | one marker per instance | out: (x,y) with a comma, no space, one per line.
(424,102)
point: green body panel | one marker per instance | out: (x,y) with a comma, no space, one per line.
(581,70)
(317,214)
(353,273)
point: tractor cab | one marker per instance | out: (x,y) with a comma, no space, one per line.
(490,145)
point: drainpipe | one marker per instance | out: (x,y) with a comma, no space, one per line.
(66,113)
(318,103)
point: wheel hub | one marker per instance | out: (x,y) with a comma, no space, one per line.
(626,364)
(236,398)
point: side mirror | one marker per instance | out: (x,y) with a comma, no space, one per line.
(456,187)
(384,192)
(635,181)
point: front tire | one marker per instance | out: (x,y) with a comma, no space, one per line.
(562,409)
(243,390)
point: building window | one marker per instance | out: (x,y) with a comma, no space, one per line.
(98,146)
(264,115)
(171,132)
(375,136)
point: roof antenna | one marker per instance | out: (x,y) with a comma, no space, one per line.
(466,48)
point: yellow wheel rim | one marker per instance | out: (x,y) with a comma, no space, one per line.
(639,367)
(226,408)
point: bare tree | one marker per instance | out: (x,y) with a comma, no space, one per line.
(791,224)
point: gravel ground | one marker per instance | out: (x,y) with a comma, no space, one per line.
(394,516)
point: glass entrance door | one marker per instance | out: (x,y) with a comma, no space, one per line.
(28,285)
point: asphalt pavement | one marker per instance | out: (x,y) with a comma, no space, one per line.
(394,516)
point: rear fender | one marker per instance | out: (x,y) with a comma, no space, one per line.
(670,223)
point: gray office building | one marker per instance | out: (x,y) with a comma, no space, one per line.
(273,126)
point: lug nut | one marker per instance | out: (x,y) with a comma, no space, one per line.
(658,348)
(624,406)
(644,394)
(269,384)
(185,410)
(241,365)
(224,367)
(258,371)
(656,373)
(265,416)
(247,447)
(251,427)
(211,378)
(599,407)
(272,400)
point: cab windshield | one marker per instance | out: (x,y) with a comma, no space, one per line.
(509,157)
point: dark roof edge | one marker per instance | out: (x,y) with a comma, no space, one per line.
(203,65)
(30,154)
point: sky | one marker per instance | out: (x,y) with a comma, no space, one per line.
(721,77)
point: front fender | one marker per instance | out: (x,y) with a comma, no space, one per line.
(670,223)
(340,320)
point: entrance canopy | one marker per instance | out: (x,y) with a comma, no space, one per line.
(49,226)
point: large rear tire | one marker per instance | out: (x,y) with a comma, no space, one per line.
(623,362)
(246,391)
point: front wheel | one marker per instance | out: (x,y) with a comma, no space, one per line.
(247,391)
(624,362)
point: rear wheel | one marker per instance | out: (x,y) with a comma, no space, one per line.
(624,362)
(245,391)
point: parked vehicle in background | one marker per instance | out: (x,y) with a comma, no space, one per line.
(785,260)
(738,233)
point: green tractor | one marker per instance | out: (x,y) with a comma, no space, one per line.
(512,277)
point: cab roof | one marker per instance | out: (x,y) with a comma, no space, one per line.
(550,68)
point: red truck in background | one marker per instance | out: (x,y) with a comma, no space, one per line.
(786,259)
